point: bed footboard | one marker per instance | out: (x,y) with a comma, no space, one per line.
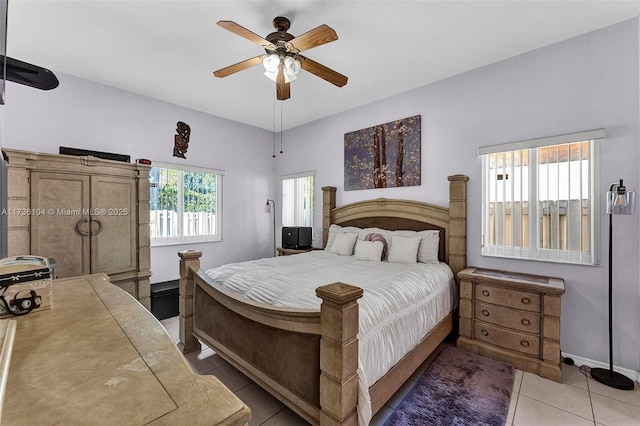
(306,358)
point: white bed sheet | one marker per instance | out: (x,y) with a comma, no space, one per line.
(400,303)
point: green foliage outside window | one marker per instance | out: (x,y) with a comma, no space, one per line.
(199,190)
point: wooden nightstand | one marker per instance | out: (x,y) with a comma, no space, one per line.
(289,252)
(512,317)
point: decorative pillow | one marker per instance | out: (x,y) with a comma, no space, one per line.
(380,238)
(343,243)
(335,230)
(429,246)
(404,249)
(362,234)
(369,250)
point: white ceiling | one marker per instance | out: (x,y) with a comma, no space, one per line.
(169,49)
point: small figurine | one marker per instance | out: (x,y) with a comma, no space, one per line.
(181,140)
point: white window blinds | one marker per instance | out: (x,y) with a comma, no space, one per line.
(539,198)
(297,199)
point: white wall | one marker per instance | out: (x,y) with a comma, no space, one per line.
(83,114)
(584,83)
(581,84)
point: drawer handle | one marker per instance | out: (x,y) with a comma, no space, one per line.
(485,293)
(485,312)
(524,343)
(526,300)
(485,333)
(525,321)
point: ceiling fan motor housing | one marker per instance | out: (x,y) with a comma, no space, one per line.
(280,37)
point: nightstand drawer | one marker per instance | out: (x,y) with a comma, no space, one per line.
(508,297)
(506,317)
(521,342)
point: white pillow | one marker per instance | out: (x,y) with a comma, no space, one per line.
(335,230)
(388,236)
(429,246)
(343,243)
(369,250)
(403,249)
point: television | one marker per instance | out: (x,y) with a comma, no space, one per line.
(296,237)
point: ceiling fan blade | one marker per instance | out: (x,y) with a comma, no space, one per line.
(313,38)
(283,89)
(249,35)
(231,69)
(323,72)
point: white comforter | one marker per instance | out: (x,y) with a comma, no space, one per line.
(401,302)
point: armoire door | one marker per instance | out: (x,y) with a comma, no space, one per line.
(60,220)
(113,225)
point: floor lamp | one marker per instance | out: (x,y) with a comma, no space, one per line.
(619,201)
(267,209)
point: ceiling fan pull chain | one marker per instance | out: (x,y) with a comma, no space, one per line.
(280,127)
(274,129)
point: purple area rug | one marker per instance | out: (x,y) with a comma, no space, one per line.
(458,388)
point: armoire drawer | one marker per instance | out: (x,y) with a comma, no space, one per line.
(521,342)
(507,297)
(506,317)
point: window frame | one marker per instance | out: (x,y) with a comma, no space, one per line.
(312,208)
(181,239)
(533,251)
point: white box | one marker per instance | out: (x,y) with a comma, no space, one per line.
(25,285)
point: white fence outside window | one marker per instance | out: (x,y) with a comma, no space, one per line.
(164,223)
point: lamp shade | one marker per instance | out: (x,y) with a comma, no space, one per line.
(291,69)
(271,65)
(621,201)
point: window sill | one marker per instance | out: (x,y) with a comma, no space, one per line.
(543,259)
(164,242)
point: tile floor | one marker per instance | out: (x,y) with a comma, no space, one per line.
(579,400)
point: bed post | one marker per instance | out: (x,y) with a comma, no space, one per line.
(189,261)
(458,222)
(338,354)
(328,204)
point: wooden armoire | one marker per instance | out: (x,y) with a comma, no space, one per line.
(90,214)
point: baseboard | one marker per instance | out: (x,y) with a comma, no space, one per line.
(632,374)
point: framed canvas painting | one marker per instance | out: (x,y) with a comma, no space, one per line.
(383,156)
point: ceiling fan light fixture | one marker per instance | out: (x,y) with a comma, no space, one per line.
(291,68)
(271,63)
(271,75)
(282,61)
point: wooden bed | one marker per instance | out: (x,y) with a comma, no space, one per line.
(308,358)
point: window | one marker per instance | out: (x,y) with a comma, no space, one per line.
(185,204)
(297,199)
(540,199)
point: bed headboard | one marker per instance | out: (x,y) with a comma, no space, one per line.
(405,214)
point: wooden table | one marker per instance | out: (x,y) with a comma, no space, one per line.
(99,357)
(288,252)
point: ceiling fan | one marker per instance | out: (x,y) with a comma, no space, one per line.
(282,60)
